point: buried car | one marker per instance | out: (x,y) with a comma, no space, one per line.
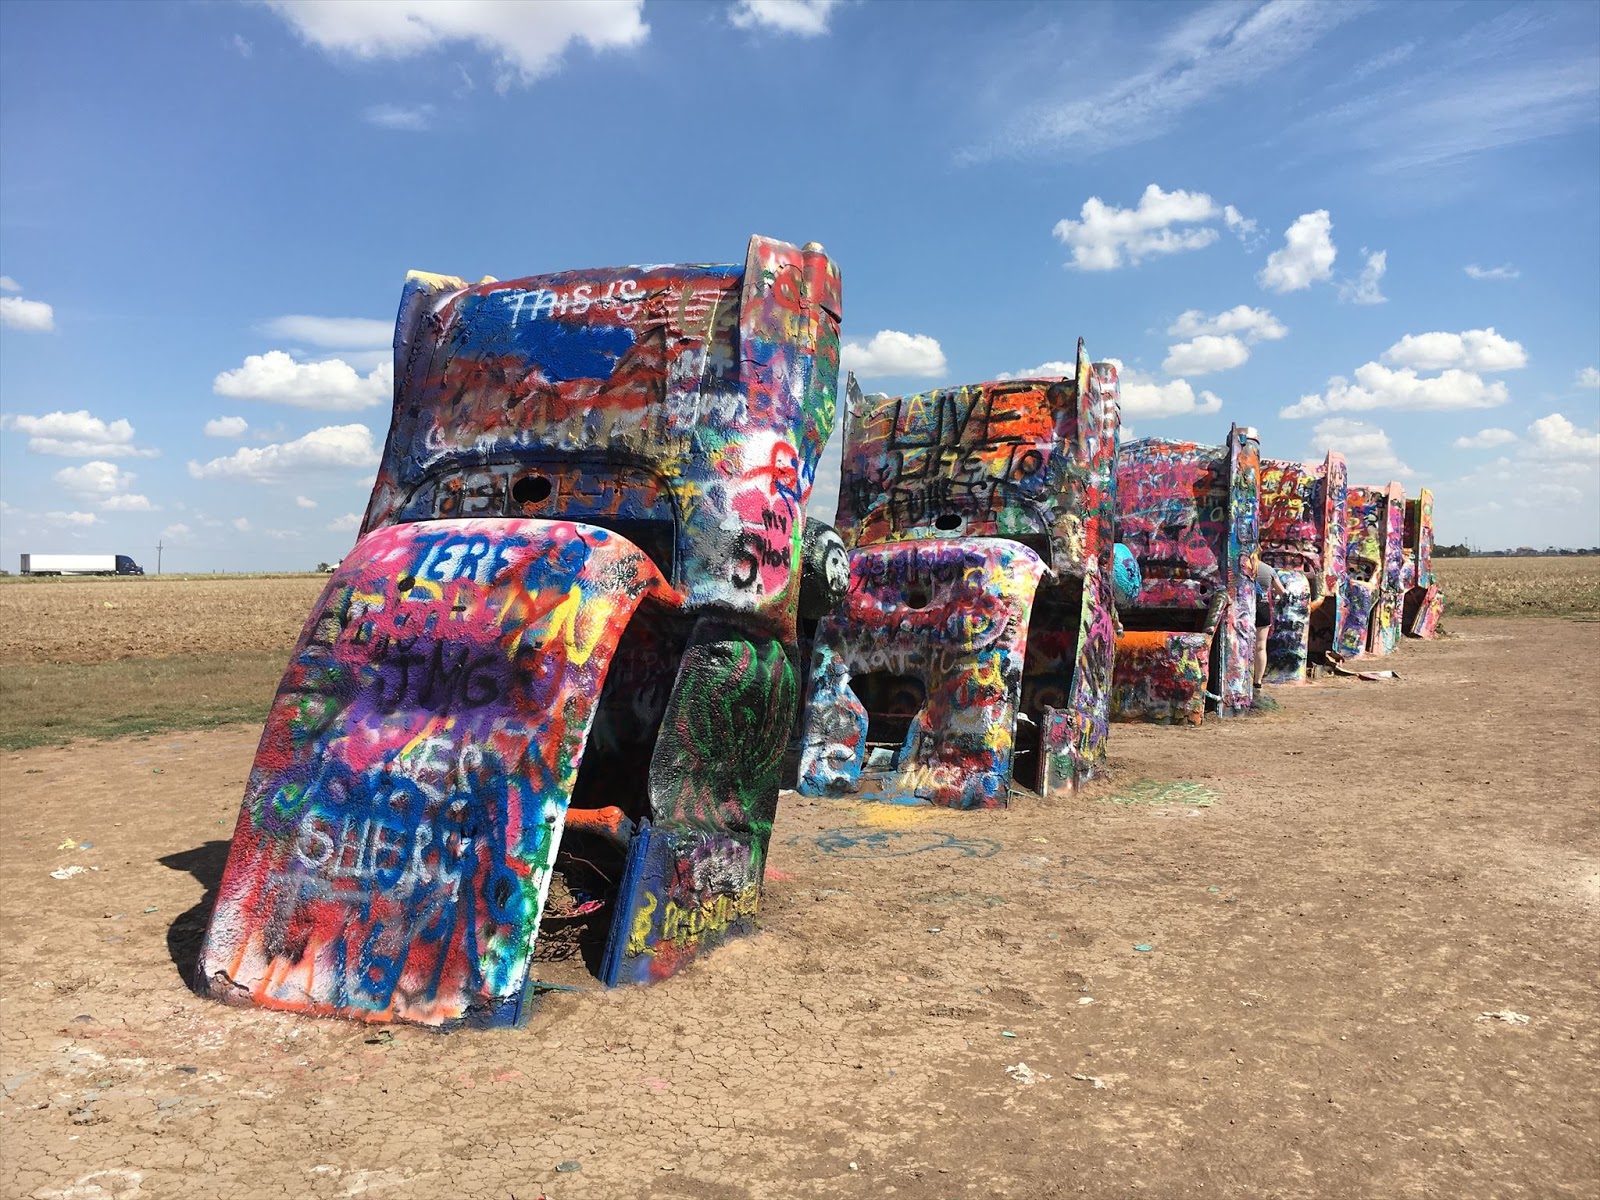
(1188,513)
(1303,538)
(1373,583)
(973,647)
(570,615)
(1424,602)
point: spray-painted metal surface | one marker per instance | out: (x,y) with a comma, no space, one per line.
(1189,513)
(1424,602)
(1303,539)
(974,647)
(1373,592)
(572,609)
(942,668)
(1236,653)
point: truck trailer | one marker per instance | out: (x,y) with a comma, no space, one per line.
(79,564)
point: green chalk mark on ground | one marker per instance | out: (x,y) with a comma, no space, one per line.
(1158,791)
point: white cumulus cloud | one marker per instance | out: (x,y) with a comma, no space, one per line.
(177,533)
(35,316)
(227,427)
(104,482)
(304,502)
(1142,396)
(8,284)
(1589,377)
(242,524)
(1367,289)
(1104,236)
(1365,447)
(1241,226)
(890,352)
(1251,324)
(331,385)
(77,435)
(1306,256)
(1472,350)
(807,18)
(1506,271)
(71,518)
(130,502)
(332,446)
(526,41)
(351,521)
(94,479)
(1556,437)
(1486,439)
(1378,386)
(1207,353)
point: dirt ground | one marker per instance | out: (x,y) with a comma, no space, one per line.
(1258,962)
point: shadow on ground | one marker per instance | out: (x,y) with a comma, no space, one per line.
(185,933)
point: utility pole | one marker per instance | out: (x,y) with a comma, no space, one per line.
(159,548)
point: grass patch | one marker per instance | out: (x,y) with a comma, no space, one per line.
(47,703)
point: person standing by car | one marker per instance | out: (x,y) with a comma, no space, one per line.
(1268,588)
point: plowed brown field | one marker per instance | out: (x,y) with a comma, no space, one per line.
(87,621)
(95,620)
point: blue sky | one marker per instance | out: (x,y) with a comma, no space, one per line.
(1375,227)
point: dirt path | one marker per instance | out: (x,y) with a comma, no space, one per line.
(1253,965)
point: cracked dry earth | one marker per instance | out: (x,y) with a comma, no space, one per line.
(1259,961)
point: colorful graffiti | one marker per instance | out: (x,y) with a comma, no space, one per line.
(1189,515)
(1161,676)
(1236,651)
(974,645)
(684,890)
(1424,602)
(1089,700)
(1303,539)
(1372,584)
(1364,526)
(1392,593)
(401,820)
(573,606)
(937,677)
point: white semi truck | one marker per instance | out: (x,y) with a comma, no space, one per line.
(80,564)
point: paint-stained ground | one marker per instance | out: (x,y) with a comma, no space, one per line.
(1256,963)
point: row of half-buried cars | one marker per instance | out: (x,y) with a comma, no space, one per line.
(586,605)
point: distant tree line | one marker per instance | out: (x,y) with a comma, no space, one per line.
(1465,551)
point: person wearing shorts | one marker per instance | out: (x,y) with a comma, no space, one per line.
(1268,588)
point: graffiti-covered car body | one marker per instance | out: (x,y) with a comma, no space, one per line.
(1189,514)
(1303,539)
(1373,587)
(572,608)
(979,525)
(1424,602)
